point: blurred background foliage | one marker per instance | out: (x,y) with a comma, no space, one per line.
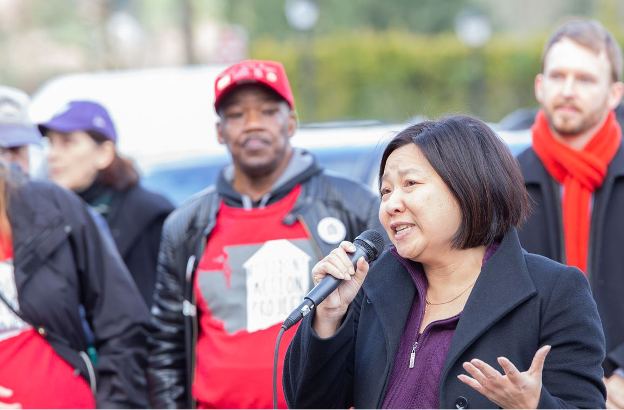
(373,75)
(361,59)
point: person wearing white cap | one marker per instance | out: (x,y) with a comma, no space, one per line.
(17,131)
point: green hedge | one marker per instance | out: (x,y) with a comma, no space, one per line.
(397,75)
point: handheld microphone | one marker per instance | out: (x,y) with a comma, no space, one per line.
(368,244)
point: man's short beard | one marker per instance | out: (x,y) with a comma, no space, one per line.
(258,171)
(567,131)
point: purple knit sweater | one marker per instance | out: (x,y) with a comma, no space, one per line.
(415,377)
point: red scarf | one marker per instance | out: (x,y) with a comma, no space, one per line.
(581,173)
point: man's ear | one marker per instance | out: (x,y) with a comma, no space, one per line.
(106,155)
(292,123)
(615,94)
(220,133)
(539,95)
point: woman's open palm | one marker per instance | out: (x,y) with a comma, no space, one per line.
(515,389)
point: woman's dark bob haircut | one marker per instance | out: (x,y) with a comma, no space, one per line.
(478,168)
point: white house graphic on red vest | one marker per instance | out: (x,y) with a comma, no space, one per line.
(278,277)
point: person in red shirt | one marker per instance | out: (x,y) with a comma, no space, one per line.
(243,250)
(55,263)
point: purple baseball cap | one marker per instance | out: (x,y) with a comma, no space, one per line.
(81,116)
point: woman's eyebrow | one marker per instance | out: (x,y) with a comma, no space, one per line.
(402,172)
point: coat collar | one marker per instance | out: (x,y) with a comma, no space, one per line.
(503,284)
(616,166)
(532,168)
(391,290)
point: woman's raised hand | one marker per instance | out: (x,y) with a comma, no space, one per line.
(330,313)
(515,389)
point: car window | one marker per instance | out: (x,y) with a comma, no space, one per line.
(180,179)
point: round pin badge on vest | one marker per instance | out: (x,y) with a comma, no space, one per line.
(331,230)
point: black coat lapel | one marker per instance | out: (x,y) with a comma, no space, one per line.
(391,291)
(504,283)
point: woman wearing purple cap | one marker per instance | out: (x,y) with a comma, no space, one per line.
(83,157)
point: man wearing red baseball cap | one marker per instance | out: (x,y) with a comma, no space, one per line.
(236,259)
(268,73)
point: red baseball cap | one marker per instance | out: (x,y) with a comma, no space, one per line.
(269,73)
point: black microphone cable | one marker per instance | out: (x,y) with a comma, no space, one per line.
(275,360)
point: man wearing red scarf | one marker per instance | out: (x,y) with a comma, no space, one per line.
(574,172)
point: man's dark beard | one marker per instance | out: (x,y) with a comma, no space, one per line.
(259,170)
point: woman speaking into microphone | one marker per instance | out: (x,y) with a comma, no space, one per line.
(456,314)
